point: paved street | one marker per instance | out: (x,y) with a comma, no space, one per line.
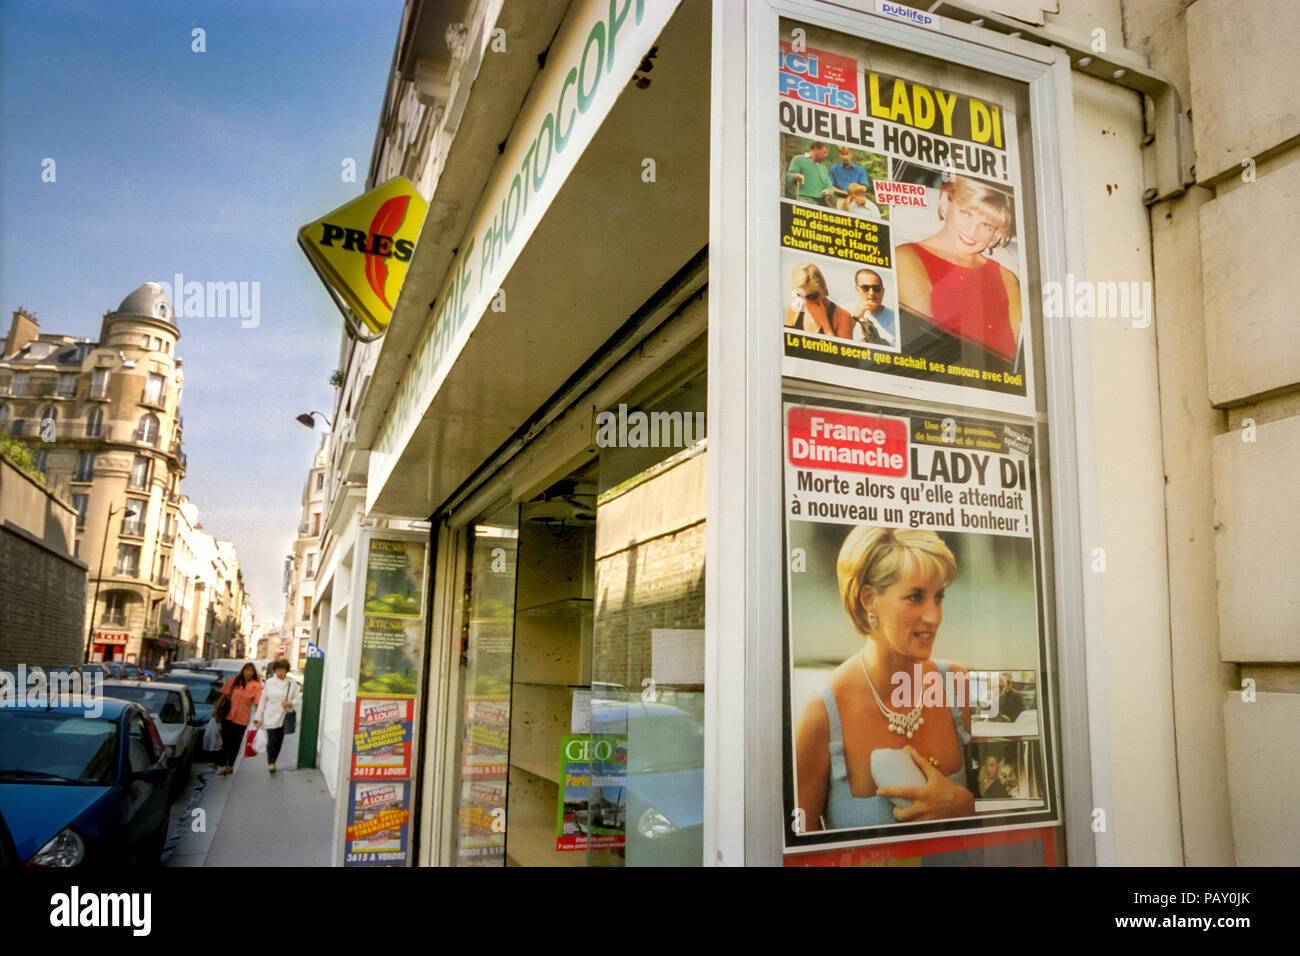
(253,817)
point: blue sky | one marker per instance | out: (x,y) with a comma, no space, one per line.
(168,161)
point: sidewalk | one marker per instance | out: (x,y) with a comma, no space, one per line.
(256,818)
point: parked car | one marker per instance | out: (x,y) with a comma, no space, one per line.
(663,766)
(94,668)
(78,790)
(172,711)
(231,667)
(205,691)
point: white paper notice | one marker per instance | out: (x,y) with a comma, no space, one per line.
(677,656)
(580,720)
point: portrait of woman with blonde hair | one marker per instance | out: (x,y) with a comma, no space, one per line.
(811,309)
(959,298)
(892,583)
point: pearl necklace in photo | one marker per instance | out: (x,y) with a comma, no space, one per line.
(898,723)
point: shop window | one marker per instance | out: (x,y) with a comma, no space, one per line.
(485,670)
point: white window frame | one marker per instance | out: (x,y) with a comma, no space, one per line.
(745,564)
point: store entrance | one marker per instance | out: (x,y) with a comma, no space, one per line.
(582,739)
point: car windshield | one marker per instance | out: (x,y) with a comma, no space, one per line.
(166,704)
(204,690)
(48,747)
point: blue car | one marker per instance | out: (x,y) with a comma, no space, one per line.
(661,807)
(77,789)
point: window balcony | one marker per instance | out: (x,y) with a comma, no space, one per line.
(99,394)
(152,400)
(132,529)
(114,618)
(126,570)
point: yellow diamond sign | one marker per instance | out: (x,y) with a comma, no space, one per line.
(363,248)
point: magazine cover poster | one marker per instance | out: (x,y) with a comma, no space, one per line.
(915,642)
(378,824)
(902,258)
(592,810)
(381,747)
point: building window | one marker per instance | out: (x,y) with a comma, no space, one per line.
(81,502)
(153,390)
(140,472)
(147,432)
(134,525)
(128,561)
(315,522)
(320,480)
(94,422)
(157,344)
(38,461)
(48,414)
(4,417)
(306,607)
(114,608)
(311,564)
(85,467)
(18,384)
(99,383)
(67,385)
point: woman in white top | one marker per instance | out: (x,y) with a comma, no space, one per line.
(277,701)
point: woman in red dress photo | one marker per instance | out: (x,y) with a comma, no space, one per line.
(965,305)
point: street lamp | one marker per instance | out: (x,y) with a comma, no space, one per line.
(130,512)
(305,419)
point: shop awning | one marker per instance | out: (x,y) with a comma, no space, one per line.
(616,232)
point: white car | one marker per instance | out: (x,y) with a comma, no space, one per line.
(172,710)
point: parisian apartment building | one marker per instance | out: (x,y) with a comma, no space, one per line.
(103,421)
(303,564)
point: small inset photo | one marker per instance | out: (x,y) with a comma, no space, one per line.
(1007,775)
(1004,703)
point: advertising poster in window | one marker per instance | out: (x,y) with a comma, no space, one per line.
(381,738)
(902,256)
(379,819)
(393,629)
(592,810)
(915,636)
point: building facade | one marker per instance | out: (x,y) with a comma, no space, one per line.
(632,252)
(303,565)
(103,419)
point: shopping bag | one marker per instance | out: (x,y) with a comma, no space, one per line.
(212,736)
(259,741)
(250,744)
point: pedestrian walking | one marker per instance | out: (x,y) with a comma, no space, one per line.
(275,707)
(239,695)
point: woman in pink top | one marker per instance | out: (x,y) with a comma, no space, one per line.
(244,691)
(950,282)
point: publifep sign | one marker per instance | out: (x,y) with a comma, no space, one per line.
(363,248)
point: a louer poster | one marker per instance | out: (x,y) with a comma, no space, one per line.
(915,642)
(902,260)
